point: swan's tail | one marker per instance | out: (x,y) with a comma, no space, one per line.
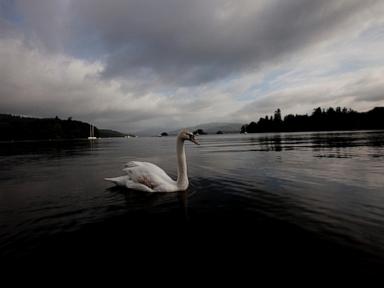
(120,181)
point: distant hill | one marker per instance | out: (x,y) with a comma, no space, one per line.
(29,128)
(107,133)
(213,128)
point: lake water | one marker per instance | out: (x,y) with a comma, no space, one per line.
(285,199)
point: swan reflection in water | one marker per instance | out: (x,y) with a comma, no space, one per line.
(137,201)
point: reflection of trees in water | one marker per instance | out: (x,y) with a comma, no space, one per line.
(334,144)
(273,143)
(48,148)
(341,145)
(376,139)
(376,142)
(333,140)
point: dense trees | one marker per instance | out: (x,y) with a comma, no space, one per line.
(319,120)
(27,128)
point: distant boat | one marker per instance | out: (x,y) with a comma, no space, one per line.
(91,132)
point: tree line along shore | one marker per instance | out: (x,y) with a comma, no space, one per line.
(16,128)
(331,119)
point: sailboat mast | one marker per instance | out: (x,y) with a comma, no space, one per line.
(91,132)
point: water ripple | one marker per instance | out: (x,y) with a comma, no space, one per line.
(329,184)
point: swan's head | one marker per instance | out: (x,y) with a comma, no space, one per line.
(186,135)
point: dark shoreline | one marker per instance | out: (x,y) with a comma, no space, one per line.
(320,120)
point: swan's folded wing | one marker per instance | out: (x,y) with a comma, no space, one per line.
(133,164)
(139,186)
(142,168)
(145,172)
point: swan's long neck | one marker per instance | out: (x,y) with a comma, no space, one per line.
(182,175)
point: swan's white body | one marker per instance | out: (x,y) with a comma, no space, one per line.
(144,176)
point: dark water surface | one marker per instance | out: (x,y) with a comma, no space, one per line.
(294,200)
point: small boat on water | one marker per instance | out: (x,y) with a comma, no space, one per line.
(92,132)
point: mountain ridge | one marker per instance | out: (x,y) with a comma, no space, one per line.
(212,128)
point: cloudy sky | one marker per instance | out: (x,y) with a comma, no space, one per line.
(138,64)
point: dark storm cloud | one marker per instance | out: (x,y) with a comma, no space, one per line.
(139,63)
(192,42)
(45,22)
(184,42)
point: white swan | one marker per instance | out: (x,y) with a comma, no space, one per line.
(144,176)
